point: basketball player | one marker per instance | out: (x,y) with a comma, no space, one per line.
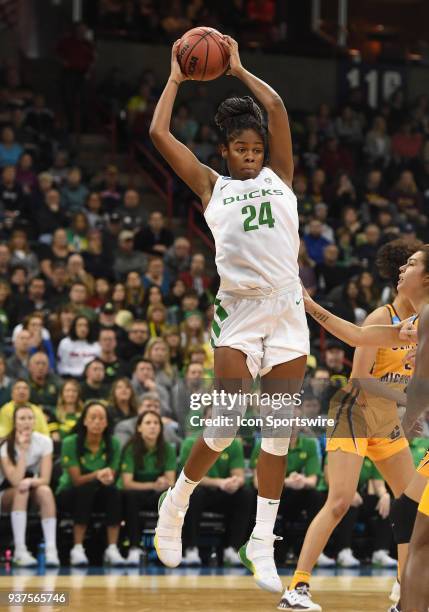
(366,424)
(260,325)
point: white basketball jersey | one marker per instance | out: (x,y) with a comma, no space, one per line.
(255,228)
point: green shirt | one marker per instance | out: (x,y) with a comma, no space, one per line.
(89,462)
(418,448)
(231,458)
(304,458)
(47,394)
(149,471)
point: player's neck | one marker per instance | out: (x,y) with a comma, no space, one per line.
(403,307)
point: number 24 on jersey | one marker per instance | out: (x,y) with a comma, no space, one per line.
(265,216)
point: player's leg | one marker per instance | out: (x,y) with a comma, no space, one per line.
(231,375)
(415,584)
(258,553)
(343,477)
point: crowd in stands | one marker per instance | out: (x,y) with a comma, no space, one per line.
(105,315)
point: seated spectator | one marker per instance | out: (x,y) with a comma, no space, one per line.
(373,196)
(192,382)
(157,352)
(26,468)
(21,252)
(45,182)
(17,364)
(152,297)
(156,275)
(10,150)
(90,459)
(148,468)
(321,214)
(177,257)
(197,278)
(44,385)
(172,337)
(7,309)
(13,201)
(93,210)
(76,272)
(4,262)
(101,294)
(69,408)
(192,332)
(348,128)
(78,298)
(35,299)
(315,242)
(184,126)
(107,319)
(334,158)
(135,343)
(155,238)
(50,216)
(156,318)
(135,293)
(78,349)
(377,143)
(125,429)
(77,233)
(57,292)
(367,251)
(369,290)
(302,473)
(108,357)
(122,401)
(407,197)
(143,380)
(39,118)
(5,382)
(329,273)
(351,303)
(127,259)
(39,336)
(73,192)
(94,386)
(132,211)
(20,394)
(222,490)
(18,280)
(25,175)
(61,323)
(334,361)
(406,143)
(57,252)
(174,300)
(110,189)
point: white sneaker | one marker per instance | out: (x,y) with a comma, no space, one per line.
(112,556)
(298,599)
(325,561)
(258,556)
(133,557)
(346,558)
(52,557)
(24,558)
(231,556)
(168,532)
(395,593)
(382,559)
(78,556)
(192,557)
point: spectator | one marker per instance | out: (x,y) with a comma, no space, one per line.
(148,468)
(93,210)
(10,150)
(34,301)
(315,242)
(69,407)
(77,233)
(13,202)
(334,361)
(193,382)
(197,277)
(26,468)
(97,261)
(21,397)
(407,197)
(5,382)
(329,273)
(157,352)
(74,193)
(110,189)
(135,343)
(155,238)
(25,175)
(348,128)
(17,364)
(373,196)
(132,211)
(7,309)
(39,336)
(125,429)
(60,168)
(143,381)
(57,292)
(367,251)
(126,258)
(377,143)
(406,144)
(350,305)
(50,216)
(44,385)
(369,290)
(57,252)
(21,252)
(76,272)
(94,386)
(78,349)
(306,269)
(122,400)
(78,297)
(5,257)
(156,318)
(108,357)
(135,292)
(90,459)
(335,158)
(156,275)
(321,214)
(177,257)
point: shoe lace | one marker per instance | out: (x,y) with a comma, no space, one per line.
(303,590)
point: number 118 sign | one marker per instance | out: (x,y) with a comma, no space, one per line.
(378,82)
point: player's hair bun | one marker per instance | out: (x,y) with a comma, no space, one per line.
(236,114)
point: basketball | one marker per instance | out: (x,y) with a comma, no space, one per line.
(201,54)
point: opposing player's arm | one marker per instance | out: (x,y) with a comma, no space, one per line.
(197,176)
(364,359)
(371,335)
(418,389)
(279,137)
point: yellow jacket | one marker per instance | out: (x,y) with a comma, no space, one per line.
(6,419)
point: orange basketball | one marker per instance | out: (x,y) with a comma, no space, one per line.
(201,54)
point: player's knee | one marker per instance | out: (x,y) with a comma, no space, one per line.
(218,445)
(339,507)
(402,516)
(275,446)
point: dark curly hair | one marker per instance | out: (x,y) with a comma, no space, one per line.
(392,255)
(237,114)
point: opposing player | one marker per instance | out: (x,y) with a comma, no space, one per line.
(260,325)
(366,424)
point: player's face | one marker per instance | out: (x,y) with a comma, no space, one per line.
(244,155)
(412,275)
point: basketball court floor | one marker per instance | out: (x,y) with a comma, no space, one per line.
(201,590)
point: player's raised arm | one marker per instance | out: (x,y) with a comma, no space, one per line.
(279,137)
(418,389)
(371,335)
(197,176)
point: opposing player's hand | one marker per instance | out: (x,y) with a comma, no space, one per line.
(408,332)
(357,500)
(176,73)
(235,65)
(383,506)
